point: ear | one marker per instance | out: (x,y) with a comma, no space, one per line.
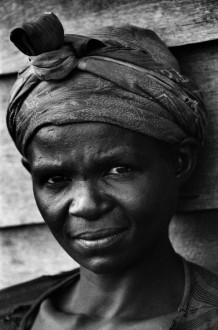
(26,164)
(186,158)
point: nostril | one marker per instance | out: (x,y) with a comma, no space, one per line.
(89,211)
(88,203)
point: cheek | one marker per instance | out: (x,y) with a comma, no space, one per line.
(137,193)
(154,196)
(52,208)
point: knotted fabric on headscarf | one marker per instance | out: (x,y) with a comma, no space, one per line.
(124,76)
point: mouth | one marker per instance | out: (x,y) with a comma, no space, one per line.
(100,239)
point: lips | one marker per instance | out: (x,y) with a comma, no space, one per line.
(99,239)
(99,234)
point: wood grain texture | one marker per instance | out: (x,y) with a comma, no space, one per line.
(30,251)
(200,61)
(17,205)
(177,22)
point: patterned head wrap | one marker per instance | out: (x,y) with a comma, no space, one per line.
(123,76)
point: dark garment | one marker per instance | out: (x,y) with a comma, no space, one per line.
(19,305)
(18,301)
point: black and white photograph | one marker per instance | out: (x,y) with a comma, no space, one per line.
(109,165)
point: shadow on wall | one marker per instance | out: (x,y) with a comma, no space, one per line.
(194,235)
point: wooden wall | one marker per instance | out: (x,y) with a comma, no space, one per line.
(190,29)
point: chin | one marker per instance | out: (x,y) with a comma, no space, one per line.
(105,266)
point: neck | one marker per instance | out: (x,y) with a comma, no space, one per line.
(144,290)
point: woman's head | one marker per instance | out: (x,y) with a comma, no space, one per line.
(106,193)
(109,130)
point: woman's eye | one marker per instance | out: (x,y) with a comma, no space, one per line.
(120,170)
(58,179)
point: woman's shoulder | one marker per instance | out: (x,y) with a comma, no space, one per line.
(15,301)
(205,283)
(200,308)
(30,290)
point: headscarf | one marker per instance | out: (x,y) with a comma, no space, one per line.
(124,76)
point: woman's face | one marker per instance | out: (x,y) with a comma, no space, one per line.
(106,193)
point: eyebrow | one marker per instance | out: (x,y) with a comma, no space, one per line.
(117,154)
(41,167)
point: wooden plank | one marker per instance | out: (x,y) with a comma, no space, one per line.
(177,22)
(15,181)
(30,251)
(201,62)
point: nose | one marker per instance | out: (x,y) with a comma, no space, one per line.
(88,202)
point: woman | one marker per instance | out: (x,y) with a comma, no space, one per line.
(109,129)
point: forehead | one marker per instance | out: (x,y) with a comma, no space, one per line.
(81,133)
(87,139)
